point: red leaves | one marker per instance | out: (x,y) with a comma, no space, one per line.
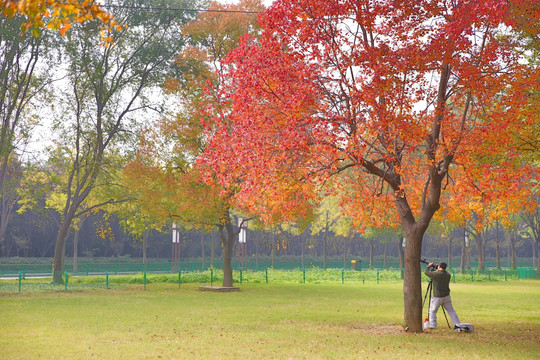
(349,89)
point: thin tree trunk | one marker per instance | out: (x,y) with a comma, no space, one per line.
(257,240)
(533,253)
(371,254)
(513,249)
(462,262)
(324,250)
(203,254)
(508,253)
(401,253)
(303,247)
(497,249)
(273,245)
(449,260)
(76,250)
(538,255)
(146,235)
(212,251)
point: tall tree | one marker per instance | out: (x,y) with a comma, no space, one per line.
(401,100)
(23,85)
(107,86)
(174,177)
(9,196)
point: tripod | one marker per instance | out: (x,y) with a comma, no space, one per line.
(429,290)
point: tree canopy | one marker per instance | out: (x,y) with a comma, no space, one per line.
(403,101)
(53,14)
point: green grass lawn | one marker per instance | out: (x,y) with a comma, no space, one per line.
(265,321)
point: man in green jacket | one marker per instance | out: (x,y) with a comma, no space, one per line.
(441,294)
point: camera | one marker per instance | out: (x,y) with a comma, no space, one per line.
(426,261)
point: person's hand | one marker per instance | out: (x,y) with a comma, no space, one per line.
(430,264)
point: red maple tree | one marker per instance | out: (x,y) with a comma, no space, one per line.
(395,101)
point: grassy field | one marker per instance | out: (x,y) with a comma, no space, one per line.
(265,321)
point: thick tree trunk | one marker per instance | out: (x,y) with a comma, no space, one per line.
(58,261)
(513,250)
(468,258)
(480,249)
(412,287)
(228,240)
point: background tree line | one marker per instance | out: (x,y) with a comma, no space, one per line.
(32,234)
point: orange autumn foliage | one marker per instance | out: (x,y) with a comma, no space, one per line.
(58,15)
(405,105)
(314,99)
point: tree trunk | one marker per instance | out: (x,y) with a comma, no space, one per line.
(58,261)
(412,287)
(76,250)
(228,238)
(212,251)
(533,253)
(3,224)
(538,255)
(256,241)
(513,250)
(324,250)
(401,253)
(480,249)
(497,247)
(371,253)
(303,247)
(273,246)
(463,262)
(449,260)
(203,254)
(146,235)
(345,251)
(384,256)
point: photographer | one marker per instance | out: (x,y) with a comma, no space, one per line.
(441,293)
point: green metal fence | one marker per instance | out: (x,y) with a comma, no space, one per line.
(118,275)
(12,270)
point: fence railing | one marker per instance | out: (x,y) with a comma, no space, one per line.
(164,274)
(12,270)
